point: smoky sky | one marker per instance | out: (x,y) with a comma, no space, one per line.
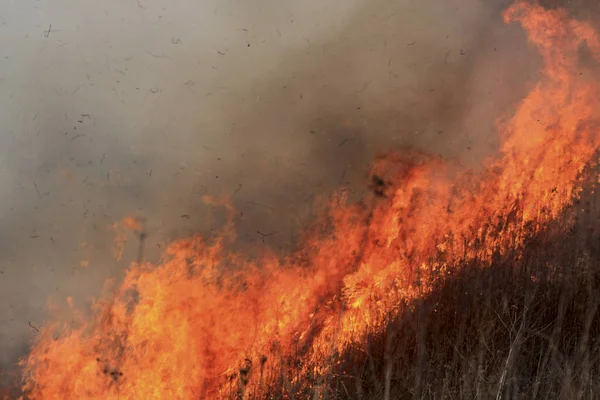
(119,108)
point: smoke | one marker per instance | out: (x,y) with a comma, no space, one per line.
(141,108)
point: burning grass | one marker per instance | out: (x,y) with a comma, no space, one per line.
(525,327)
(210,323)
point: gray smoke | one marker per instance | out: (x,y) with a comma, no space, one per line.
(114,108)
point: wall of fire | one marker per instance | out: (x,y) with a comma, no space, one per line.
(143,107)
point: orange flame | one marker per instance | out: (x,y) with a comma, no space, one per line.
(122,230)
(180,330)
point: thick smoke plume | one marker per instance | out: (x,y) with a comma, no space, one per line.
(117,108)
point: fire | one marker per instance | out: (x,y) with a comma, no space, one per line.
(209,323)
(121,230)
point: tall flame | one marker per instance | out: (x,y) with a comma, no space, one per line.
(183,329)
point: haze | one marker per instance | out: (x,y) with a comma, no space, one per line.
(122,107)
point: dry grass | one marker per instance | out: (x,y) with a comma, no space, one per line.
(526,327)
